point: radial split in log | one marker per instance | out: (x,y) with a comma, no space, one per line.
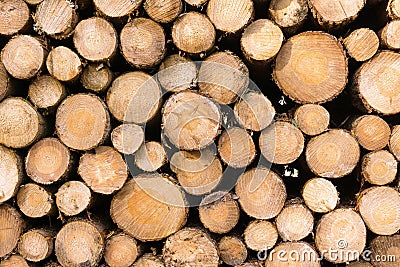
(341,230)
(312,119)
(79,243)
(385,251)
(134,97)
(82,121)
(361,44)
(56,18)
(6,86)
(14,16)
(121,250)
(73,197)
(150,156)
(116,8)
(20,124)
(163,11)
(11,225)
(289,15)
(332,154)
(232,250)
(36,245)
(293,254)
(394,142)
(96,77)
(46,92)
(10,173)
(320,195)
(379,206)
(35,201)
(149,260)
(63,64)
(261,192)
(260,235)
(311,67)
(371,131)
(130,207)
(127,138)
(379,167)
(393,9)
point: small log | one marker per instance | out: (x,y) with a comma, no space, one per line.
(190,120)
(73,197)
(11,224)
(223,76)
(375,84)
(36,245)
(394,142)
(311,67)
(393,9)
(127,138)
(379,207)
(230,16)
(254,111)
(82,121)
(103,170)
(134,97)
(293,254)
(177,73)
(55,18)
(198,172)
(150,156)
(21,125)
(341,230)
(149,260)
(219,212)
(14,17)
(371,131)
(95,39)
(190,247)
(261,192)
(196,3)
(260,235)
(143,43)
(193,33)
(332,154)
(288,15)
(389,35)
(261,41)
(46,92)
(6,85)
(96,77)
(361,44)
(281,143)
(23,56)
(232,250)
(379,167)
(130,207)
(63,64)
(35,201)
(121,250)
(79,243)
(11,173)
(116,9)
(14,261)
(385,251)
(312,119)
(236,147)
(320,195)
(163,11)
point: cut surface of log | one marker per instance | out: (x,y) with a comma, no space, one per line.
(394,142)
(35,201)
(12,225)
(311,67)
(320,195)
(390,34)
(36,245)
(14,16)
(127,138)
(163,11)
(361,44)
(288,15)
(260,235)
(312,119)
(46,92)
(73,197)
(150,156)
(116,8)
(10,173)
(6,87)
(293,254)
(121,250)
(332,154)
(385,251)
(14,261)
(371,131)
(63,64)
(149,260)
(379,167)
(393,9)
(232,250)
(33,2)
(96,77)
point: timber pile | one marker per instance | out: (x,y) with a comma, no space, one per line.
(199,133)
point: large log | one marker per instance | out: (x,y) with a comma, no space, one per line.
(11,173)
(12,225)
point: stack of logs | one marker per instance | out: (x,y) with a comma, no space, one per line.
(199,133)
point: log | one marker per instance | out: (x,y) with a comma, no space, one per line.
(96,77)
(359,264)
(143,43)
(63,64)
(311,67)
(127,138)
(163,11)
(389,35)
(232,250)
(294,254)
(332,154)
(73,197)
(261,41)
(55,18)
(312,119)
(295,222)
(260,235)
(385,251)
(11,173)
(121,250)
(379,167)
(95,39)
(196,3)
(177,73)
(14,261)
(82,121)
(375,84)
(149,260)
(219,212)
(341,230)
(134,97)
(116,9)
(46,93)
(253,263)
(230,16)
(150,157)
(379,207)
(320,195)
(23,56)
(261,192)
(190,247)
(371,131)
(14,17)
(12,225)
(288,15)
(36,245)
(130,207)
(281,143)
(33,2)
(193,33)
(361,44)
(35,201)
(394,142)
(20,123)
(190,120)
(79,243)
(393,9)
(6,85)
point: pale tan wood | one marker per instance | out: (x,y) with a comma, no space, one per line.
(63,64)
(260,235)
(385,251)
(379,167)
(127,138)
(320,195)
(6,85)
(46,92)
(288,15)
(394,142)
(14,16)
(33,2)
(253,263)
(11,173)
(371,131)
(163,11)
(389,35)
(12,225)
(116,8)
(293,254)
(312,119)
(393,9)
(150,156)
(73,197)
(121,250)
(196,3)
(36,245)
(361,44)
(96,77)
(14,261)
(232,250)
(149,260)
(35,201)
(359,264)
